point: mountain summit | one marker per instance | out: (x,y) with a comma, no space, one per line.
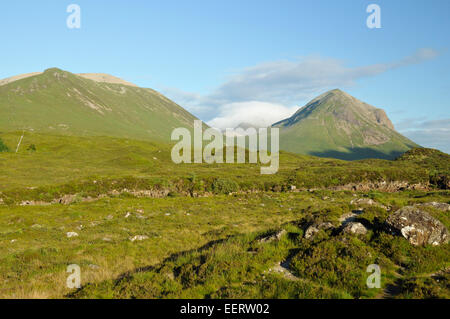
(336,124)
(60,102)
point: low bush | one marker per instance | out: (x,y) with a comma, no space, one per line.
(3,147)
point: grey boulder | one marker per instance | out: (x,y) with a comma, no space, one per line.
(417,226)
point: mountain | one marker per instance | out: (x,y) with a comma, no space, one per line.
(337,125)
(60,102)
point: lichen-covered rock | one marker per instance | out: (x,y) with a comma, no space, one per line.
(65,200)
(277,236)
(417,226)
(350,217)
(355,228)
(441,206)
(314,229)
(366,201)
(362,201)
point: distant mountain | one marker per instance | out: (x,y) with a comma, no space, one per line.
(60,102)
(337,125)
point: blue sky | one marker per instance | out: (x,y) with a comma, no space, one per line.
(229,61)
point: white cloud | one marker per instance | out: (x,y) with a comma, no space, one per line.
(428,133)
(259,114)
(280,83)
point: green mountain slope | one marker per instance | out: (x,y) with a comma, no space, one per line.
(338,125)
(60,102)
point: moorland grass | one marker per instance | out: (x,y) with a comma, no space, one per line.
(223,208)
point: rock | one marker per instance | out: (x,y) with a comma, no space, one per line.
(311,231)
(33,203)
(350,217)
(293,187)
(314,229)
(355,228)
(366,201)
(417,226)
(441,206)
(276,236)
(66,199)
(71,234)
(138,238)
(362,201)
(36,226)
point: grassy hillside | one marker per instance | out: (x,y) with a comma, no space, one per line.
(339,126)
(59,102)
(60,165)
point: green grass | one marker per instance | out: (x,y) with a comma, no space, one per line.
(40,252)
(92,166)
(330,266)
(201,222)
(3,147)
(171,263)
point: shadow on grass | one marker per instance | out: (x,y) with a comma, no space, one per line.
(358,153)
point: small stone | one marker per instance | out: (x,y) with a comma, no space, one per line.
(311,231)
(138,238)
(350,217)
(314,229)
(277,236)
(71,234)
(362,201)
(355,228)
